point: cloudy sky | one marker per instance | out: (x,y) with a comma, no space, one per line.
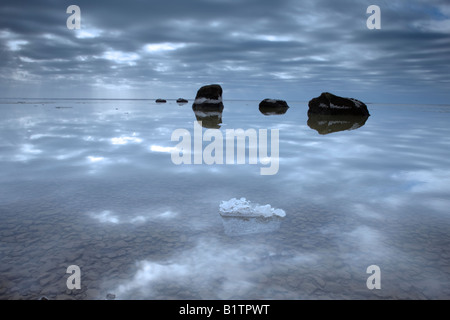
(255,49)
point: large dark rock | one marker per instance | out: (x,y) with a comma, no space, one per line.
(209,98)
(330,104)
(325,124)
(273,106)
(212,91)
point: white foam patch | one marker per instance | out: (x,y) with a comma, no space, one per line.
(244,208)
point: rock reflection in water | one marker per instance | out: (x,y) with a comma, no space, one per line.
(272,111)
(236,226)
(325,124)
(209,119)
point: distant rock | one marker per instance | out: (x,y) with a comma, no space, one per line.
(110,296)
(330,104)
(182,101)
(160,101)
(325,124)
(273,106)
(209,98)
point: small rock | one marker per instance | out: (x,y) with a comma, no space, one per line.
(160,101)
(273,107)
(110,296)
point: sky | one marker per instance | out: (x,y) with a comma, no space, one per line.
(255,49)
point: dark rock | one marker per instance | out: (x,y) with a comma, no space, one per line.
(182,101)
(209,98)
(330,104)
(325,124)
(160,101)
(273,106)
(212,91)
(110,296)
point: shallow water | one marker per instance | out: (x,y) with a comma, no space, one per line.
(91,183)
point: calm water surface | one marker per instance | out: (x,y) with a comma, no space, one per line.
(91,183)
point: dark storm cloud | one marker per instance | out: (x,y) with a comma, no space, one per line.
(291,48)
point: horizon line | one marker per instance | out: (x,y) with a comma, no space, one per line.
(189,99)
